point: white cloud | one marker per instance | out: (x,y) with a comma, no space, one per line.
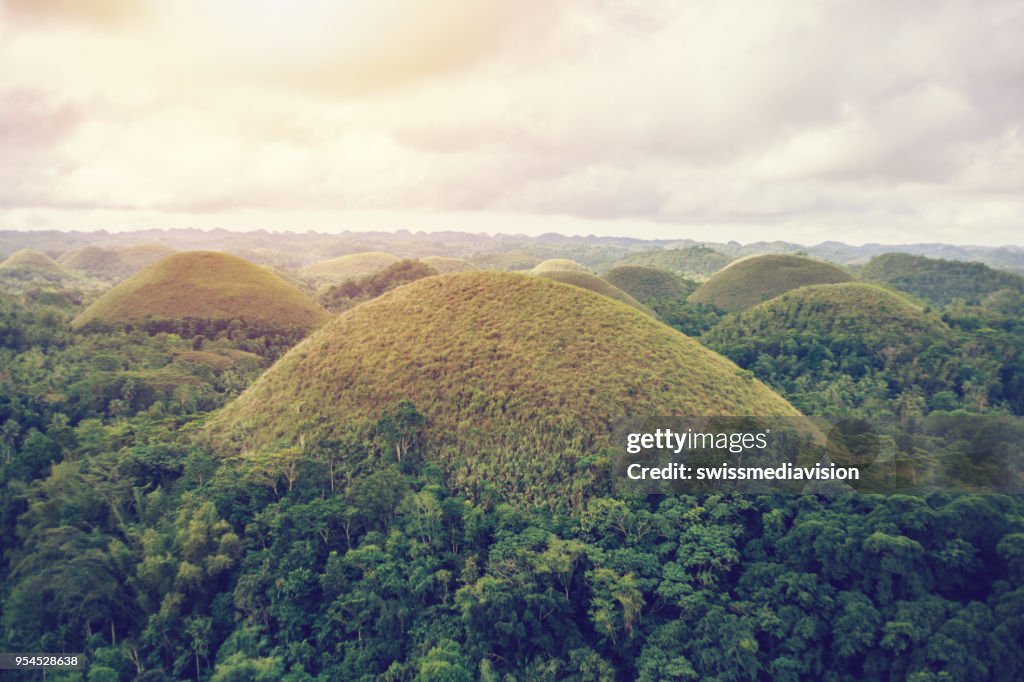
(820,118)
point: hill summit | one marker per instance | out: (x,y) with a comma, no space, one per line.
(97,261)
(205,285)
(558,265)
(515,393)
(352,266)
(30,260)
(754,279)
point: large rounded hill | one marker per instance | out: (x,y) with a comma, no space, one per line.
(97,261)
(352,266)
(205,285)
(748,281)
(558,265)
(30,261)
(853,329)
(519,379)
(649,284)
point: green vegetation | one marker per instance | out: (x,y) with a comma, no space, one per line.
(514,392)
(594,283)
(343,296)
(844,348)
(114,263)
(29,263)
(695,262)
(446,264)
(650,285)
(558,265)
(204,285)
(417,491)
(348,267)
(939,281)
(752,280)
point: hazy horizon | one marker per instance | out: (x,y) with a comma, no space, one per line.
(805,122)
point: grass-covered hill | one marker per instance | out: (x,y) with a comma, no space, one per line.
(814,334)
(31,261)
(939,281)
(348,267)
(649,284)
(447,264)
(205,285)
(695,262)
(516,393)
(108,263)
(752,280)
(585,280)
(558,265)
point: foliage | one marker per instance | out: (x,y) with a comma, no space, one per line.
(695,262)
(347,294)
(939,281)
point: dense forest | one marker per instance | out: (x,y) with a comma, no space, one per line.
(159,558)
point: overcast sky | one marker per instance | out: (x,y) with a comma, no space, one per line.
(802,120)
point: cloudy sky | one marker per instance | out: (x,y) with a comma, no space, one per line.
(806,120)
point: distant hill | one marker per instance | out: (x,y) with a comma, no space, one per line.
(647,284)
(810,336)
(594,283)
(352,266)
(754,279)
(695,262)
(446,264)
(31,261)
(516,395)
(939,281)
(514,259)
(205,285)
(114,263)
(558,265)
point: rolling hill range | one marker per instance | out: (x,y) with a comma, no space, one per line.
(209,286)
(97,261)
(649,284)
(558,265)
(752,280)
(939,281)
(352,266)
(585,280)
(514,391)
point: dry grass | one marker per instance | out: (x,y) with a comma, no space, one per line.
(558,265)
(748,281)
(596,284)
(446,265)
(519,378)
(208,286)
(352,266)
(27,260)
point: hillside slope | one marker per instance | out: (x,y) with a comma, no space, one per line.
(348,267)
(939,281)
(754,279)
(514,390)
(205,285)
